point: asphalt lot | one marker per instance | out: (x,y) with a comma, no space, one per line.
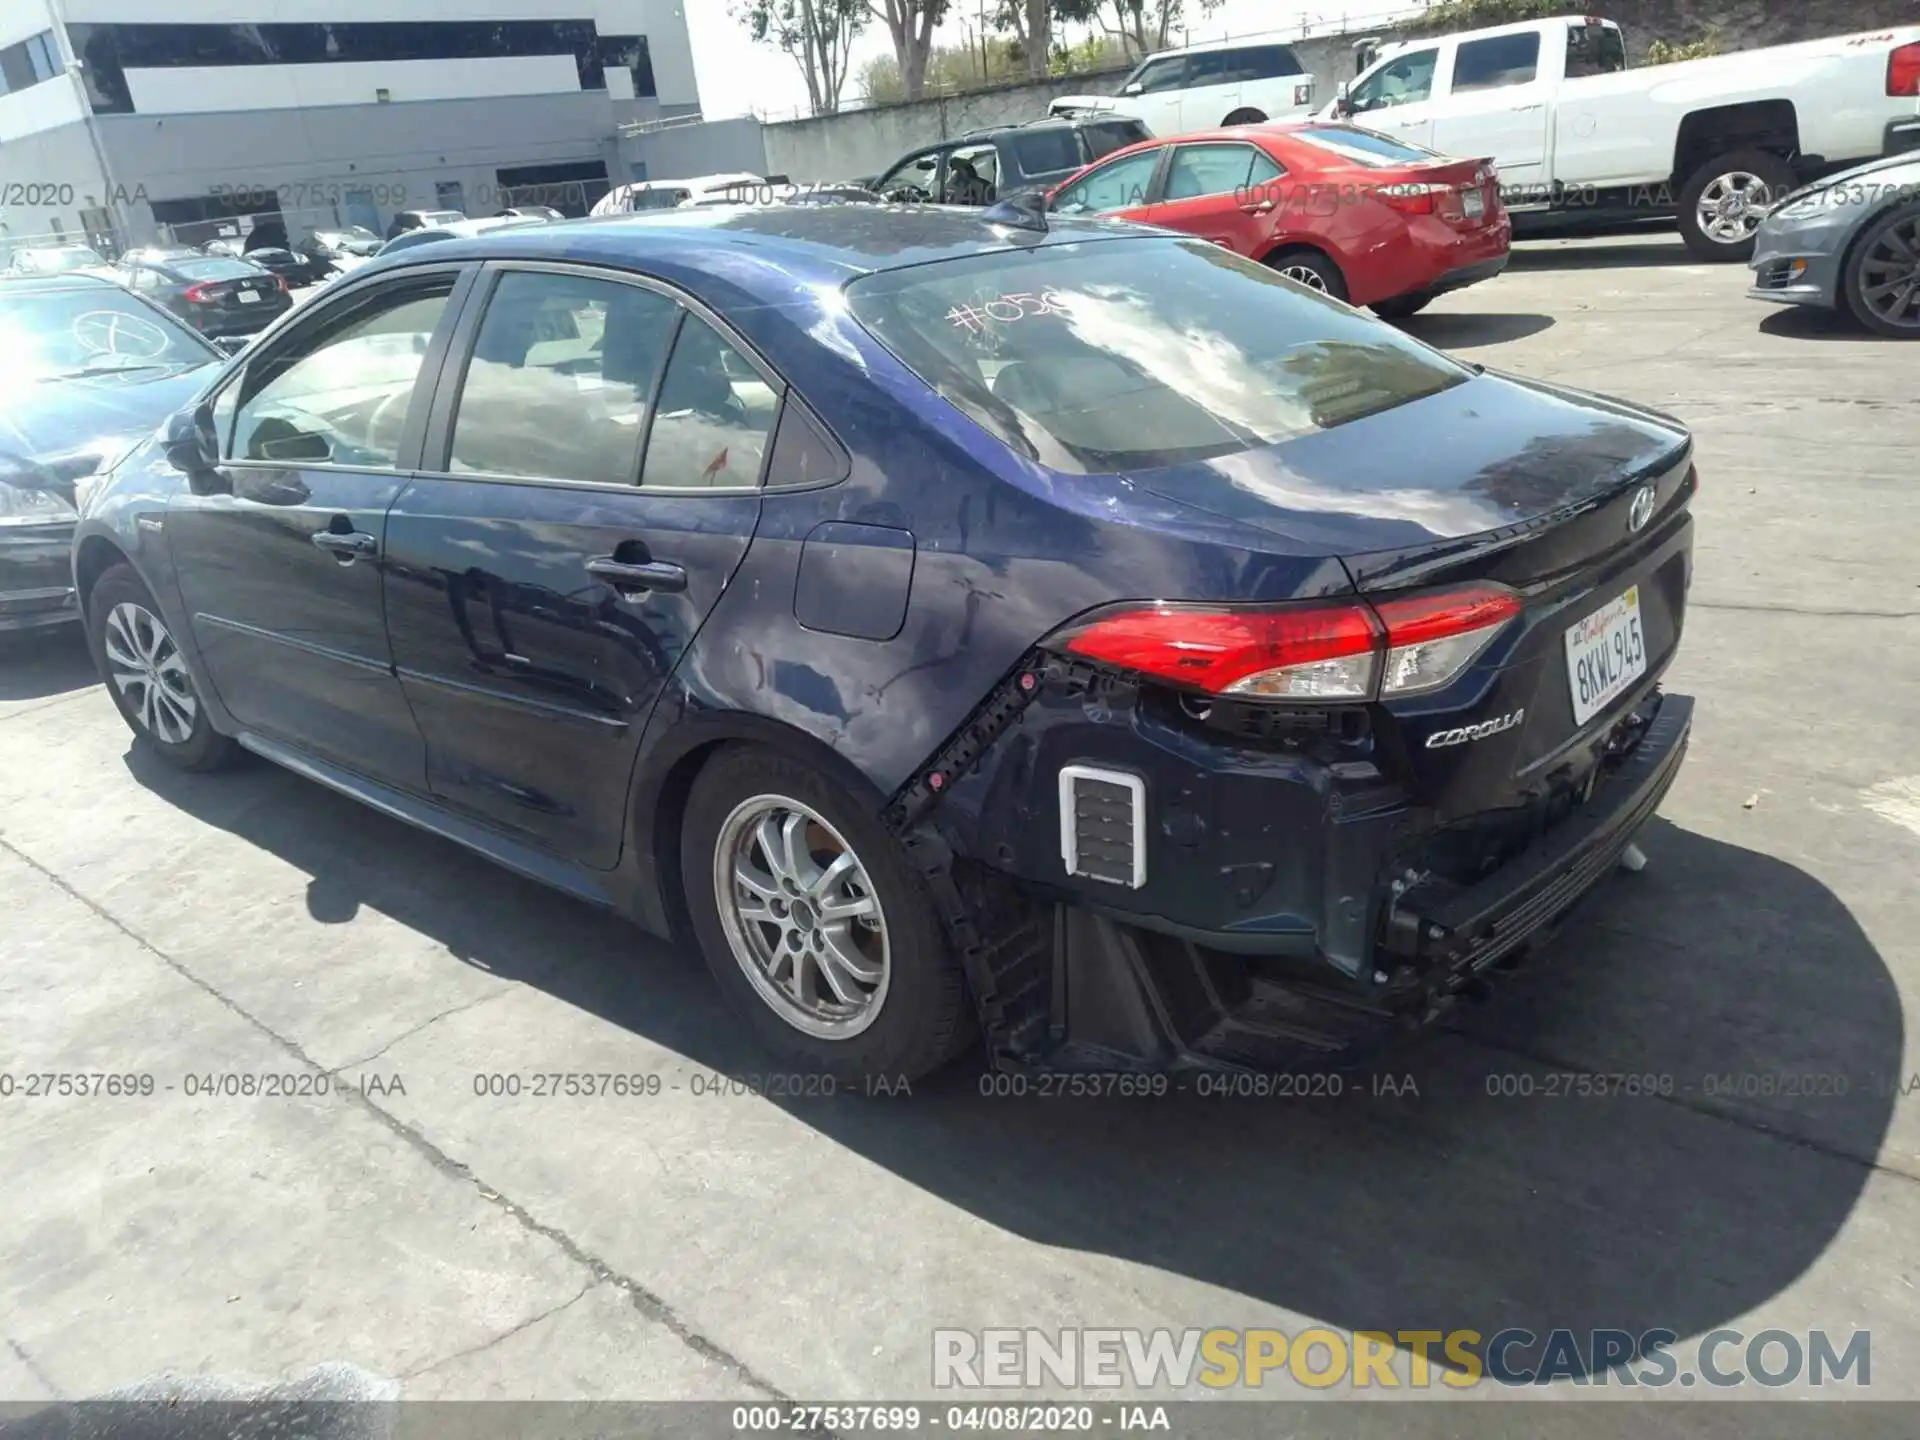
(724,1245)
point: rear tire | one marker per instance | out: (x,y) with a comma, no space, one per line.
(147,676)
(1401,307)
(1246,116)
(1722,203)
(814,922)
(1312,268)
(1875,263)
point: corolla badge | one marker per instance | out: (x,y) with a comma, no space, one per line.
(1468,733)
(1641,510)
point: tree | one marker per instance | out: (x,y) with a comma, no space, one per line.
(818,34)
(1031,23)
(910,25)
(1143,26)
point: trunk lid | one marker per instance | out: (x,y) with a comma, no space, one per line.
(1576,503)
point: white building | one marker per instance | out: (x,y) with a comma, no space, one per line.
(121,117)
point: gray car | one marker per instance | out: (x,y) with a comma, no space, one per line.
(1851,243)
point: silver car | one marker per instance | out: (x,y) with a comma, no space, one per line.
(1851,243)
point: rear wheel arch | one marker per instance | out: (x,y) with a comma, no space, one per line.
(1291,251)
(1769,125)
(661,791)
(1246,115)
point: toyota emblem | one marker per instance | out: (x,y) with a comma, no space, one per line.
(1641,510)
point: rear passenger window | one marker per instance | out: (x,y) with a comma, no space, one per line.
(1497,62)
(714,418)
(1045,152)
(560,377)
(1106,136)
(1208,170)
(1268,62)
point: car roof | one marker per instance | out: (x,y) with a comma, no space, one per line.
(1204,47)
(770,248)
(71,280)
(1049,122)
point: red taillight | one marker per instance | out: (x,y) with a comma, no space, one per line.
(1224,652)
(1903,70)
(1411,196)
(197,294)
(281,281)
(1349,651)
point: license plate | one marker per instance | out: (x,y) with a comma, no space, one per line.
(1606,653)
(1475,204)
(249,297)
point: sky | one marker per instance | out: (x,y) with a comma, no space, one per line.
(737,76)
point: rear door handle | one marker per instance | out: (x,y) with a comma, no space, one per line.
(1526,109)
(349,544)
(656,575)
(1258,209)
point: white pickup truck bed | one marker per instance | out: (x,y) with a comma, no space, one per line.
(1578,136)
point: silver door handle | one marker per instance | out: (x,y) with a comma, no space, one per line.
(1260,209)
(351,544)
(655,575)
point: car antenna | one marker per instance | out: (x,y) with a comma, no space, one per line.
(1024,211)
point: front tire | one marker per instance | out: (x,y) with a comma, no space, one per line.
(815,924)
(1724,201)
(1881,282)
(147,676)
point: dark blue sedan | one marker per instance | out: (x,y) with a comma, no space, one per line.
(952,621)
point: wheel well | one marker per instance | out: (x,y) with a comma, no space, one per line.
(1860,231)
(1770,125)
(1245,115)
(95,558)
(669,796)
(1286,248)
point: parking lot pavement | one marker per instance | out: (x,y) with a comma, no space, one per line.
(696,1242)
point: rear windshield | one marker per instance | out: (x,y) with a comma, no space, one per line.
(1365,147)
(1043,152)
(1122,355)
(213,268)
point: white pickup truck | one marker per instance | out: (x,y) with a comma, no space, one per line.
(1580,139)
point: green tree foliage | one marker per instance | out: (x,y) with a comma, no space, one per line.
(1666,52)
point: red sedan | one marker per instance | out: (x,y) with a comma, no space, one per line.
(1367,218)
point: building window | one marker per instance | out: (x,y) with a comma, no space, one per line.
(111,50)
(34,59)
(622,52)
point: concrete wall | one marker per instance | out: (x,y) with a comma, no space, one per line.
(56,168)
(718,147)
(864,142)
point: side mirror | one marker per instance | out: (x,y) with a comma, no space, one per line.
(1133,89)
(193,447)
(230,344)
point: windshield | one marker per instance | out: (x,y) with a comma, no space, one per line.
(55,335)
(70,257)
(1126,355)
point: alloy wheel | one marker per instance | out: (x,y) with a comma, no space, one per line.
(1889,283)
(801,917)
(145,666)
(1733,205)
(1307,276)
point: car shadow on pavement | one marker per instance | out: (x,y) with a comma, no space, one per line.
(1624,252)
(1806,322)
(39,665)
(1452,330)
(1608,1143)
